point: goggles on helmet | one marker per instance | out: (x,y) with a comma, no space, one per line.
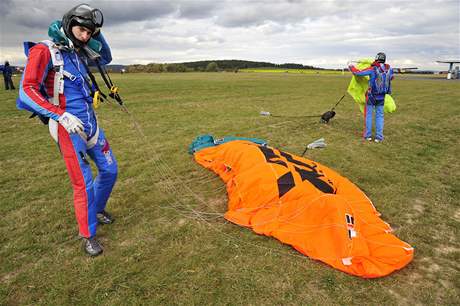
(82,15)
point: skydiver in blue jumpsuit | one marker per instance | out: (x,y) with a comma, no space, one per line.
(380,76)
(7,74)
(79,135)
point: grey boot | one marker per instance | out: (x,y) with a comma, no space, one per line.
(92,247)
(104,217)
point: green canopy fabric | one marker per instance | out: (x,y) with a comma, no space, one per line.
(359,85)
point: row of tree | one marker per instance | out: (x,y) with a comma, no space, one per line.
(212,66)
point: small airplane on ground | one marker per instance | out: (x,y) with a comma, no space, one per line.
(403,70)
(451,70)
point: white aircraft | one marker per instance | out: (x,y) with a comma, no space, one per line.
(451,66)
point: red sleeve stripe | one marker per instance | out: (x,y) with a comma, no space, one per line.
(34,74)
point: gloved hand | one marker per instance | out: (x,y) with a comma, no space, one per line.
(71,123)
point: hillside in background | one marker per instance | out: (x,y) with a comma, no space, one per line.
(217,65)
(240,64)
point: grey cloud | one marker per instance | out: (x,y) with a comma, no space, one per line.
(280,31)
(6,6)
(254,13)
(40,13)
(198,9)
(420,18)
(119,12)
(34,14)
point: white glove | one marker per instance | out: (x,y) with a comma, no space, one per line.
(71,123)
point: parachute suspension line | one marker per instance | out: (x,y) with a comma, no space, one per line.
(389,229)
(325,117)
(340,100)
(287,116)
(108,82)
(179,208)
(164,169)
(200,215)
(96,93)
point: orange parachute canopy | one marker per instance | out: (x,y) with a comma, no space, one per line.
(306,205)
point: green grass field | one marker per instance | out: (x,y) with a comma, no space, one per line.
(170,244)
(283,70)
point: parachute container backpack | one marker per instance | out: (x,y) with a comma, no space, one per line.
(359,85)
(303,204)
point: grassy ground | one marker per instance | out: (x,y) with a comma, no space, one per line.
(282,70)
(334,72)
(169,244)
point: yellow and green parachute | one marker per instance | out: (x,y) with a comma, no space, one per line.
(359,85)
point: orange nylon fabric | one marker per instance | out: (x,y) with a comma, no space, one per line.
(306,205)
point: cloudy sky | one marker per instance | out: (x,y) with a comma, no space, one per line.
(323,33)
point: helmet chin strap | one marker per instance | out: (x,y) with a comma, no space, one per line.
(71,45)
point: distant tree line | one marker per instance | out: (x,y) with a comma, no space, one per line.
(157,68)
(212,66)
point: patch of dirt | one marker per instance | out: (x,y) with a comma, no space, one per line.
(433,268)
(181,222)
(417,210)
(457,215)
(419,206)
(402,299)
(447,249)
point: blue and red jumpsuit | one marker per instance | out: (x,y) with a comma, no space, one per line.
(36,89)
(380,76)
